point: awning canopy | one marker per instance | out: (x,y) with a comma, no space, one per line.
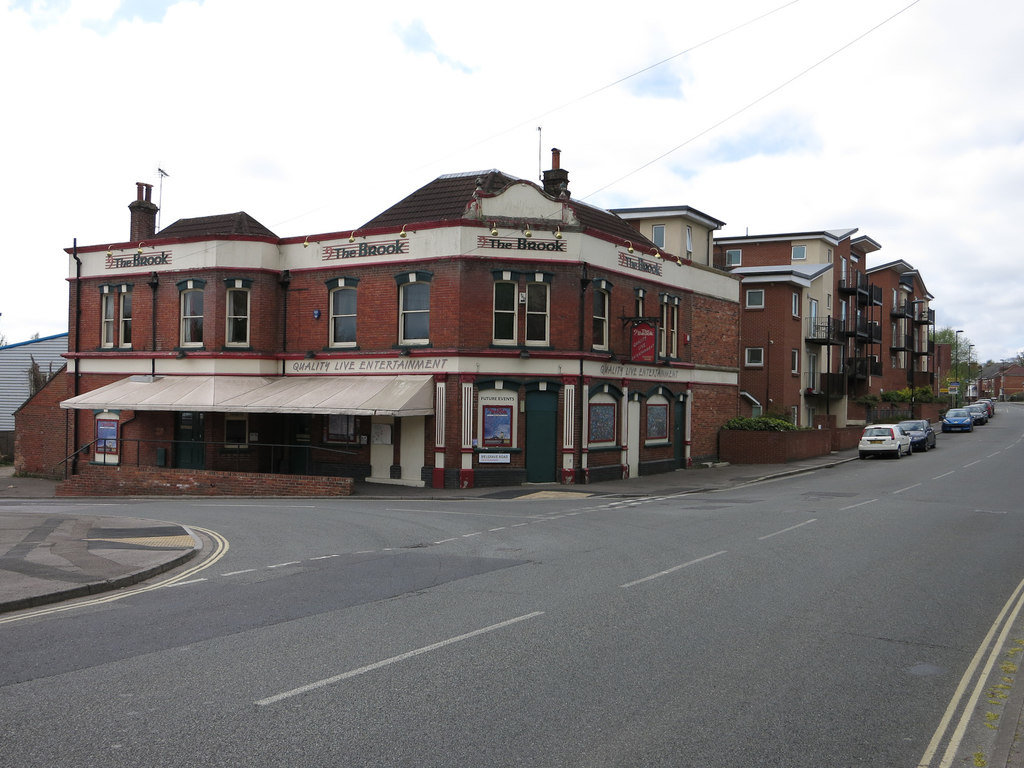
(355,395)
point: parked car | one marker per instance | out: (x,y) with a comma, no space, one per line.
(958,420)
(989,404)
(884,440)
(922,436)
(978,412)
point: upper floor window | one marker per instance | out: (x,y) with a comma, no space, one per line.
(640,293)
(506,308)
(669,339)
(125,320)
(414,308)
(799,252)
(689,242)
(733,257)
(755,298)
(796,304)
(115,315)
(538,309)
(754,356)
(601,303)
(191,312)
(236,333)
(342,295)
(658,235)
(108,301)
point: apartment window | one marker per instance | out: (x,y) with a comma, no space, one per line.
(754,356)
(191,312)
(794,360)
(414,308)
(125,319)
(799,252)
(236,430)
(829,256)
(600,324)
(828,301)
(506,298)
(538,299)
(689,242)
(341,428)
(796,304)
(237,303)
(734,257)
(658,235)
(842,269)
(669,339)
(343,301)
(108,302)
(755,298)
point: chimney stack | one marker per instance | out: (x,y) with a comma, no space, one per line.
(144,210)
(556,181)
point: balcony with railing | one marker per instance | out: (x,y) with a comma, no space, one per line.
(924,317)
(924,349)
(854,282)
(830,385)
(824,330)
(901,310)
(902,342)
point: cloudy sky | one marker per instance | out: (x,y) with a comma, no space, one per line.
(903,118)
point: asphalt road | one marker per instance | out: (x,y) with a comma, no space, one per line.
(824,620)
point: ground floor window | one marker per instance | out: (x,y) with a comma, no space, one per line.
(341,428)
(236,430)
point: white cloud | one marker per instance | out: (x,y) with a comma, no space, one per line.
(314,116)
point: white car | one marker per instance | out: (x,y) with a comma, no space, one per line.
(884,440)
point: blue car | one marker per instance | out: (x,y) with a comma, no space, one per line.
(958,420)
(922,436)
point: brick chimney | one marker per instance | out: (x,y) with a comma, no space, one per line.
(556,181)
(144,212)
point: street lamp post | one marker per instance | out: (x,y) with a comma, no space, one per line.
(956,363)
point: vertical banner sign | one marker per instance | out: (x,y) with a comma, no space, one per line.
(644,342)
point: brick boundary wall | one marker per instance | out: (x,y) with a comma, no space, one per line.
(738,446)
(97,480)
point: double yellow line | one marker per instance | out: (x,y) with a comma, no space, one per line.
(1002,625)
(220,548)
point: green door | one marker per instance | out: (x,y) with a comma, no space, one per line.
(541,436)
(679,433)
(189,440)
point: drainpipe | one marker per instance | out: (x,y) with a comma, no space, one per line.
(584,282)
(154,282)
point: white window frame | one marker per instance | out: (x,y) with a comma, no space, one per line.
(601,305)
(752,292)
(534,288)
(230,318)
(689,242)
(108,307)
(796,304)
(124,320)
(753,357)
(406,314)
(794,360)
(504,312)
(658,235)
(334,316)
(734,257)
(187,336)
(799,253)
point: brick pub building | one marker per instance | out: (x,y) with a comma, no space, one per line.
(485,330)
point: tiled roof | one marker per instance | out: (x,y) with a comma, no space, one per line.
(447,198)
(236,224)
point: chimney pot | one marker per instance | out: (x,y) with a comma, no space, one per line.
(556,154)
(143,213)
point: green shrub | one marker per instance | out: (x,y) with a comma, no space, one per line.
(759,424)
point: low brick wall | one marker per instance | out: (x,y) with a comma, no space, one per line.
(738,446)
(98,480)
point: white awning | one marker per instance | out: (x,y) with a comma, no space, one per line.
(355,395)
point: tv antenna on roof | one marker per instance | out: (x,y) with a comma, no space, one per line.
(160,196)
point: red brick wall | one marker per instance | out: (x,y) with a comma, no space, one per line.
(96,480)
(42,431)
(712,407)
(746,447)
